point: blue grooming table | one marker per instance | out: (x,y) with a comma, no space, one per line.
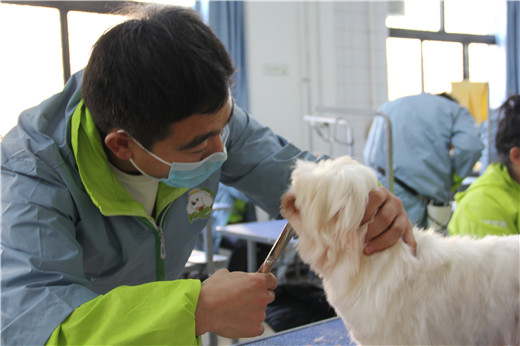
(327,332)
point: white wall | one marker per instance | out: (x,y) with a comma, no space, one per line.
(274,66)
(305,54)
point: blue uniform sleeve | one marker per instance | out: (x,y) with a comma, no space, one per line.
(259,162)
(42,271)
(466,143)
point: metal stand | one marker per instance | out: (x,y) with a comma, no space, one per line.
(319,123)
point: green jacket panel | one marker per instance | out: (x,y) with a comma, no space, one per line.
(161,313)
(490,205)
(71,235)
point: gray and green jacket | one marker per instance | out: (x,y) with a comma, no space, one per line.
(489,206)
(81,262)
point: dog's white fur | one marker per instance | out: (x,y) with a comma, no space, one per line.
(456,290)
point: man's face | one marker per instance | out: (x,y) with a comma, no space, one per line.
(189,140)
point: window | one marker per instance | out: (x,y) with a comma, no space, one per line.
(81,41)
(442,63)
(404,67)
(47,41)
(433,43)
(30,63)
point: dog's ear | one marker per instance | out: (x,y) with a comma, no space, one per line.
(288,207)
(340,204)
(331,197)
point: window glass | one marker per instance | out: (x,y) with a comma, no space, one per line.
(418,15)
(404,67)
(486,64)
(477,17)
(31,67)
(443,64)
(84,30)
(480,56)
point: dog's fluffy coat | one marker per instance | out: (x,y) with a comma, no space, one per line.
(456,290)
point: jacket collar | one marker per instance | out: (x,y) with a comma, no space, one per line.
(105,190)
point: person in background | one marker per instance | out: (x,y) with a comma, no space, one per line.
(107,185)
(491,204)
(435,146)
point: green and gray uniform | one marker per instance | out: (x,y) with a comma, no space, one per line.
(490,205)
(81,261)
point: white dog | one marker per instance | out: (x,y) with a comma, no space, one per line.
(456,290)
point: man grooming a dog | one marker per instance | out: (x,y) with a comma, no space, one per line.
(96,184)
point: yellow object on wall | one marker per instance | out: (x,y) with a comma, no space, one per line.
(473,96)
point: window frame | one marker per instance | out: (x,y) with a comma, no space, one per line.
(64,7)
(443,36)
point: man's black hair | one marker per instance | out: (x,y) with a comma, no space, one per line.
(153,70)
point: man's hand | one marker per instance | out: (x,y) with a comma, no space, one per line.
(232,304)
(390,222)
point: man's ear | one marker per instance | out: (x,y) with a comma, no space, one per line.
(120,144)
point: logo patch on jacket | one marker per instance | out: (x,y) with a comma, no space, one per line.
(200,203)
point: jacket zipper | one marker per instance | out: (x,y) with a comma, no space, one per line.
(159,234)
(160,225)
(158,230)
(160,272)
(161,240)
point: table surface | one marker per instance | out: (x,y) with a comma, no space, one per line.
(265,232)
(327,332)
(331,331)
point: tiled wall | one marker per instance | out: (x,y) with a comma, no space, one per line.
(360,50)
(334,55)
(360,36)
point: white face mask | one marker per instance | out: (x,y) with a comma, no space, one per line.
(188,174)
